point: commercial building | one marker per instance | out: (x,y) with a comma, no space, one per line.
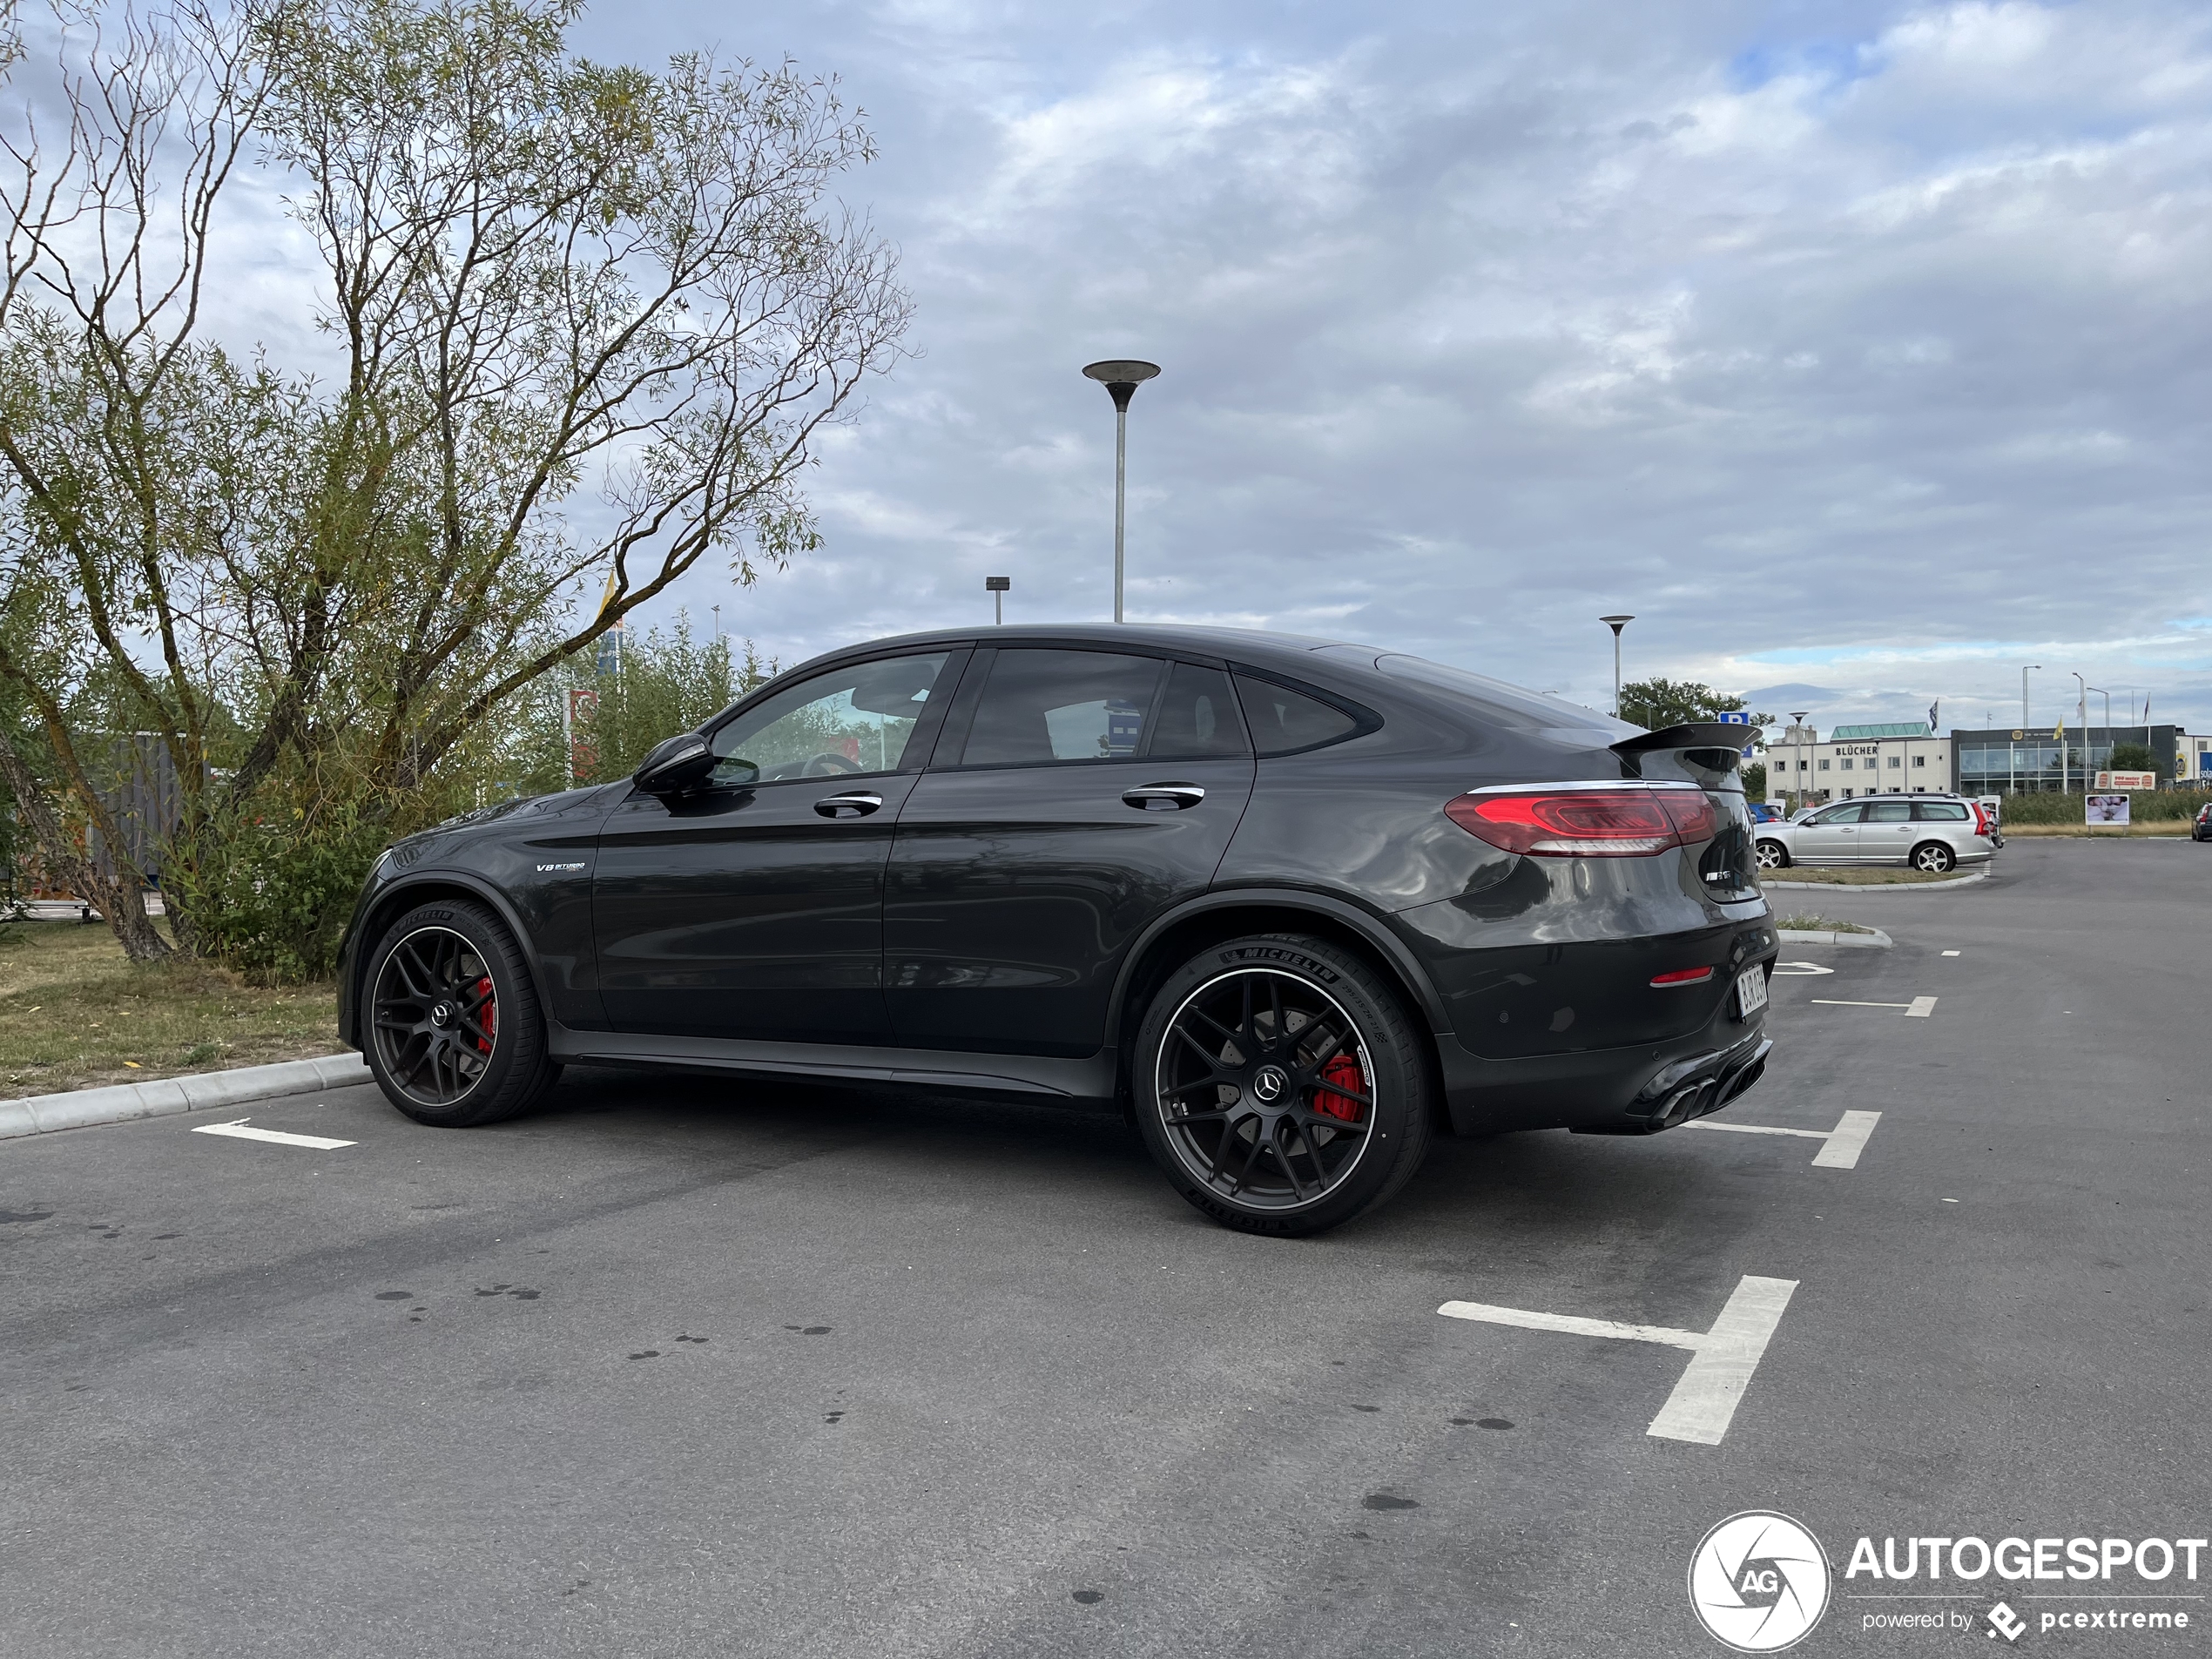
(1908,757)
(2003,762)
(1903,756)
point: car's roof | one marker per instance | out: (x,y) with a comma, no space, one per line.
(1246,644)
(1388,681)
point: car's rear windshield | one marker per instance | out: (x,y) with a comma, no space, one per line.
(1508,703)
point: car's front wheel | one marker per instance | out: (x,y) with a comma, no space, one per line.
(454,1036)
(1281,1086)
(1935,858)
(1772,855)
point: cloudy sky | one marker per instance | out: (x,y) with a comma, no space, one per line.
(1859,350)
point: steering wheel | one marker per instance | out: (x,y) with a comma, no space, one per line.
(829,763)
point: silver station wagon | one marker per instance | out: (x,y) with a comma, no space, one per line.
(1930,833)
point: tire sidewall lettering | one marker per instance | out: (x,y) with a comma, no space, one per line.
(1280,956)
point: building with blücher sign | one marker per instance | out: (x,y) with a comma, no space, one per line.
(1908,757)
(1900,757)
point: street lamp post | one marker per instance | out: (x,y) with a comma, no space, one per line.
(2038,667)
(997,587)
(1120,376)
(1616,623)
(2081,720)
(2102,692)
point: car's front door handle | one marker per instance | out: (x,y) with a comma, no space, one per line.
(857,805)
(1163,798)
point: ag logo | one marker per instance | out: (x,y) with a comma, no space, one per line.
(1759,1581)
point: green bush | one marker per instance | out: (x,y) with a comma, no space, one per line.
(2147,806)
(272,900)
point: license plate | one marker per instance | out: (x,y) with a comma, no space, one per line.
(1750,992)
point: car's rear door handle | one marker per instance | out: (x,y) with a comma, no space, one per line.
(1163,798)
(857,805)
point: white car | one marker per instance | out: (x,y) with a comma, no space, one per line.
(1930,833)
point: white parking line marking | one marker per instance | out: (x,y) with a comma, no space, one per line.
(1806,969)
(1756,1128)
(1918,1008)
(1722,1360)
(239,1131)
(1951,953)
(1704,1401)
(1846,1141)
(1840,1145)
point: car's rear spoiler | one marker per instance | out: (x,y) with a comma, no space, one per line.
(1703,751)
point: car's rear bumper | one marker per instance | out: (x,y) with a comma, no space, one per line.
(1636,1090)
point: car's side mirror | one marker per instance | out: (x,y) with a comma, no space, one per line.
(675,767)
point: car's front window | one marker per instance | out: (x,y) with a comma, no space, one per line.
(1839,815)
(846,722)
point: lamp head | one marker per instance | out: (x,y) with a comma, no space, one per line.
(1120,376)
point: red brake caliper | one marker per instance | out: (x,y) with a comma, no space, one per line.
(490,1016)
(1344,1072)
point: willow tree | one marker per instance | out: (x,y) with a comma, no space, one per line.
(581,326)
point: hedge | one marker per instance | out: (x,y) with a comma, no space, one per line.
(2145,807)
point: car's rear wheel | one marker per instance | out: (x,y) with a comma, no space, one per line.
(1935,858)
(1772,855)
(454,1034)
(1281,1086)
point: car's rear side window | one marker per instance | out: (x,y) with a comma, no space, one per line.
(1890,811)
(1283,721)
(1940,811)
(1042,706)
(1198,719)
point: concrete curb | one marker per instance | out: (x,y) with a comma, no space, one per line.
(120,1104)
(1856,889)
(1877,939)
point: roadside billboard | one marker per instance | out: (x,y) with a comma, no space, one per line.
(2105,809)
(2127,780)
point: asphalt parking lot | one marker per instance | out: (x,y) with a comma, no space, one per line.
(683,1366)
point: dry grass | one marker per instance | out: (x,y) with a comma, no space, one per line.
(1863,875)
(1819,924)
(75,1013)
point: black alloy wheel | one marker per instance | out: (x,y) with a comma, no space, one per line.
(1772,855)
(1280,1085)
(1933,857)
(454,1034)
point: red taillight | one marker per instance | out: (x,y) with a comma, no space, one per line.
(1981,819)
(1587,823)
(1683,976)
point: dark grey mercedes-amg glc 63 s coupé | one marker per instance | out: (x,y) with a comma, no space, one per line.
(1298,907)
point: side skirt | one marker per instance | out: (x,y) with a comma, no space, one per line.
(1041,1079)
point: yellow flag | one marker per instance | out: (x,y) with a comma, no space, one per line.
(2060,730)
